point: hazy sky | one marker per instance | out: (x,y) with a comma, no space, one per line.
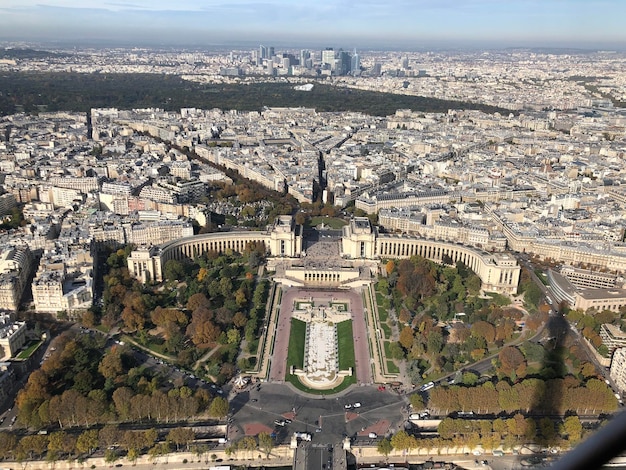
(358,23)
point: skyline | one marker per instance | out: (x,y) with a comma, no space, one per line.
(368,23)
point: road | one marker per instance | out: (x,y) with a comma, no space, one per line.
(379,409)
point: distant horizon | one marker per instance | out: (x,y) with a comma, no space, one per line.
(253,45)
(369,24)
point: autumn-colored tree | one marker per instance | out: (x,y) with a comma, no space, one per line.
(201,329)
(240,320)
(121,399)
(88,319)
(510,359)
(485,330)
(111,364)
(108,436)
(477,354)
(406,337)
(198,300)
(390,266)
(404,316)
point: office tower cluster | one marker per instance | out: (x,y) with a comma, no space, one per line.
(327,62)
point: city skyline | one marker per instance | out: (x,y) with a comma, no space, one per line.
(370,23)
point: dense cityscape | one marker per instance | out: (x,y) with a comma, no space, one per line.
(286,286)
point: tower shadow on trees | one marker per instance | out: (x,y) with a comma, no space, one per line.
(558,397)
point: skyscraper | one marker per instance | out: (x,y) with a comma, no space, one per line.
(344,63)
(263,52)
(328,56)
(304,55)
(355,66)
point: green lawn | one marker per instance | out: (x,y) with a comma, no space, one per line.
(379,298)
(387,350)
(345,340)
(392,368)
(295,354)
(32,347)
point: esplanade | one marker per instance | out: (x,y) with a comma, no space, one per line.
(361,247)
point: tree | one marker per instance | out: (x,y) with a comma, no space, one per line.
(202,330)
(389,267)
(401,441)
(233,336)
(109,435)
(266,443)
(406,337)
(384,447)
(573,429)
(510,359)
(485,330)
(121,399)
(87,441)
(218,407)
(35,444)
(110,456)
(111,364)
(8,442)
(247,444)
(435,341)
(174,270)
(181,437)
(198,300)
(416,401)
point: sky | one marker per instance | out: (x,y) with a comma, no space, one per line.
(409,24)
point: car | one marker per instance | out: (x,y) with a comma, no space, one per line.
(318,430)
(348,406)
(372,435)
(356,405)
(280,422)
(288,421)
(254,400)
(477,452)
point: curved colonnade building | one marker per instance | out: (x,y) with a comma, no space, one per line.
(361,244)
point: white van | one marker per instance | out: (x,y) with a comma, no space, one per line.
(427,386)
